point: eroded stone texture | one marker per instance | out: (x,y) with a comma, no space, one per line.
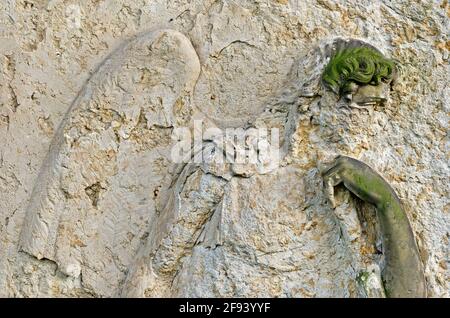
(109,160)
(111,215)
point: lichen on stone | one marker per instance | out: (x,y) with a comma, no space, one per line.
(360,65)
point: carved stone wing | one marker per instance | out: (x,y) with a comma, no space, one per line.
(108,166)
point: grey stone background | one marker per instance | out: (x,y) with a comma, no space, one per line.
(244,235)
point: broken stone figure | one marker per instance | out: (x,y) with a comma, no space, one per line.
(113,210)
(361,73)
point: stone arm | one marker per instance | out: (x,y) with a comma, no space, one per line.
(402,274)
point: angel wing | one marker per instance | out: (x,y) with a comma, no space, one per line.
(110,154)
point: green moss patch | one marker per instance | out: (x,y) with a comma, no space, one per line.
(361,65)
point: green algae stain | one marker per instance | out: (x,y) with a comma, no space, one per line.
(388,201)
(361,65)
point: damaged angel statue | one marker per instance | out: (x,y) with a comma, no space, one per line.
(114,210)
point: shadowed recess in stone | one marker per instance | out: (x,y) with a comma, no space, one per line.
(360,65)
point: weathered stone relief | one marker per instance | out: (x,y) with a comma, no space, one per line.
(108,163)
(402,270)
(112,215)
(141,92)
(359,72)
